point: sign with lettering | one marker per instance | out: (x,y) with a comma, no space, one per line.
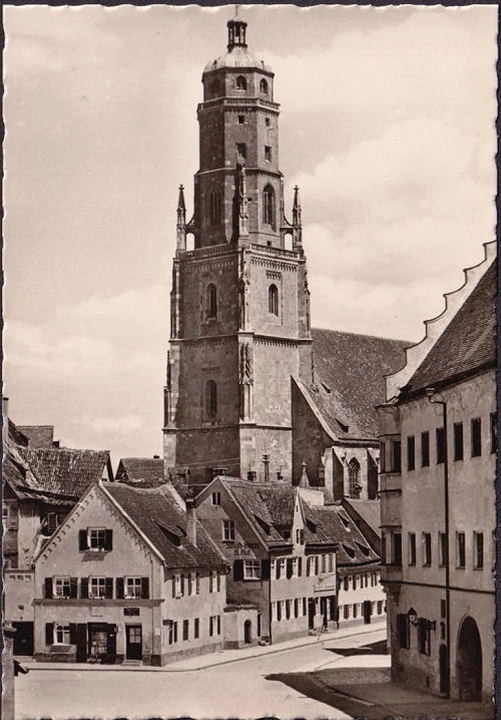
(131,611)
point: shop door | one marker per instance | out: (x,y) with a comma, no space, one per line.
(311,613)
(134,642)
(367,611)
(23,639)
(81,638)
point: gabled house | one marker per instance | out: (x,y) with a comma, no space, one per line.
(128,576)
(282,579)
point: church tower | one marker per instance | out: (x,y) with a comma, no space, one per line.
(240,316)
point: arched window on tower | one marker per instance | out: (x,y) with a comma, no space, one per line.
(241,83)
(263,86)
(273,300)
(214,208)
(211,399)
(269,206)
(354,479)
(211,301)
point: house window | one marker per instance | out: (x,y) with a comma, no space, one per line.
(442,549)
(279,610)
(214,207)
(346,583)
(186,629)
(241,119)
(263,86)
(403,628)
(216,498)
(346,612)
(478,550)
(411,546)
(62,587)
(355,610)
(228,530)
(211,302)
(426,549)
(425,449)
(281,568)
(178,585)
(101,587)
(460,550)
(99,539)
(397,549)
(62,634)
(476,437)
(269,205)
(396,456)
(273,300)
(196,628)
(214,581)
(267,153)
(458,441)
(172,632)
(494,432)
(331,562)
(287,609)
(300,537)
(51,523)
(440,439)
(241,83)
(214,625)
(211,399)
(242,150)
(133,587)
(423,635)
(411,452)
(353,479)
(267,122)
(252,570)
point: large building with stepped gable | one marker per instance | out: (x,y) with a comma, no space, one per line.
(252,391)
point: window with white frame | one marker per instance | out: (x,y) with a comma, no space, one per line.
(97,538)
(177,581)
(62,587)
(62,634)
(228,530)
(214,581)
(281,564)
(133,587)
(97,587)
(252,569)
(216,498)
(331,562)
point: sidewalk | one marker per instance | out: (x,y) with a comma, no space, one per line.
(221,657)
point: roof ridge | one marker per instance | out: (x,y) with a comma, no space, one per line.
(365,335)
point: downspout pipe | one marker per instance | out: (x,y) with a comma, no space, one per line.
(435,398)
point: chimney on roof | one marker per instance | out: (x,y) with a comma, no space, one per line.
(5,417)
(191,521)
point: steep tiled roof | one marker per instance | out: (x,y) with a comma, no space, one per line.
(279,499)
(65,471)
(369,511)
(467,344)
(349,381)
(39,436)
(15,435)
(146,472)
(158,516)
(251,498)
(333,524)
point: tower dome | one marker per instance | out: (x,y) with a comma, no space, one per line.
(237,55)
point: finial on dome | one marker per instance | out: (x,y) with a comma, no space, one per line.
(237,28)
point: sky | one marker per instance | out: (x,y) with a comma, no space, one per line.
(387,125)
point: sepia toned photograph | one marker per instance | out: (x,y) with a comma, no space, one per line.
(249,362)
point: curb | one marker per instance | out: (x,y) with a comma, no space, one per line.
(83,667)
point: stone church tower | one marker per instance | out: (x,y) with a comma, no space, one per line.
(240,316)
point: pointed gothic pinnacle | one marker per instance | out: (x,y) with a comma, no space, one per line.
(180,203)
(304,482)
(297,202)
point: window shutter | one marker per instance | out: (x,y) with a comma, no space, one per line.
(238,570)
(277,569)
(73,634)
(145,587)
(119,588)
(48,587)
(108,539)
(109,588)
(82,540)
(84,588)
(49,633)
(73,587)
(174,586)
(265,569)
(289,568)
(299,566)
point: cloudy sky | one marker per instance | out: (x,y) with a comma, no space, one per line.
(387,125)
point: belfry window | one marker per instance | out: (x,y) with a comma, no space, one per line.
(353,479)
(273,300)
(214,208)
(211,301)
(241,83)
(211,399)
(268,205)
(263,86)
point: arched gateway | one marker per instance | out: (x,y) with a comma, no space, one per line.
(469,661)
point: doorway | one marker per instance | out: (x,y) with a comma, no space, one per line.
(23,639)
(311,613)
(469,661)
(443,669)
(134,642)
(247,632)
(367,611)
(102,643)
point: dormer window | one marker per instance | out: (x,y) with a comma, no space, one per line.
(241,83)
(263,87)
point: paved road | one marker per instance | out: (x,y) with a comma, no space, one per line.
(235,690)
